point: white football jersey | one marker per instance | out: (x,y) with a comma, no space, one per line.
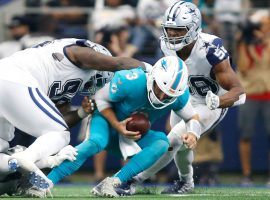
(207,52)
(47,67)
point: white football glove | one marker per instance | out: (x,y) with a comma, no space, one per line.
(212,100)
(67,153)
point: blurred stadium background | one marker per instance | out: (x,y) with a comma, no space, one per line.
(131,28)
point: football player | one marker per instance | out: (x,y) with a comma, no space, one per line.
(36,80)
(163,89)
(212,83)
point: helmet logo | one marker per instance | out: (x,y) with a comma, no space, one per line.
(164,64)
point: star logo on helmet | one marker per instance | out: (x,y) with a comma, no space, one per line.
(191,10)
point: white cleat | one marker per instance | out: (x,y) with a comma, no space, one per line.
(107,187)
(13,165)
(40,180)
(37,177)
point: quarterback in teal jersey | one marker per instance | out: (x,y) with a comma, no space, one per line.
(162,90)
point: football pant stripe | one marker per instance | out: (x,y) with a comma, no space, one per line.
(48,103)
(44,109)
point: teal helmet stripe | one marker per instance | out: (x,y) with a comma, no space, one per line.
(178,75)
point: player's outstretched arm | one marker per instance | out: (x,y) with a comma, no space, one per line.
(72,117)
(228,80)
(87,58)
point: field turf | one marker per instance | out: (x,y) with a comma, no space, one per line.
(215,193)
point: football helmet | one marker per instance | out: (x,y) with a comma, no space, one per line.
(181,15)
(170,74)
(96,82)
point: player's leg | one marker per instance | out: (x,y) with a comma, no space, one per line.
(175,143)
(246,120)
(33,112)
(184,157)
(154,144)
(98,140)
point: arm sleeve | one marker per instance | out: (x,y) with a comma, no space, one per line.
(117,90)
(186,112)
(102,98)
(216,52)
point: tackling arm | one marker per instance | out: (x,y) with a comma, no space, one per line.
(228,80)
(72,117)
(87,58)
(193,126)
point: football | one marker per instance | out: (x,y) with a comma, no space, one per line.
(139,122)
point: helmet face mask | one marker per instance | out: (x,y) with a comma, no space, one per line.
(96,82)
(181,16)
(169,76)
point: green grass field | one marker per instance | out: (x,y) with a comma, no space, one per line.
(215,193)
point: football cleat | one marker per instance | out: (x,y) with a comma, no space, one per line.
(13,165)
(179,187)
(39,180)
(107,187)
(126,189)
(34,192)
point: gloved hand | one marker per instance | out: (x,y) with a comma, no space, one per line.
(212,100)
(67,153)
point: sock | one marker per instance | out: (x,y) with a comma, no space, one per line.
(143,160)
(175,145)
(85,150)
(183,160)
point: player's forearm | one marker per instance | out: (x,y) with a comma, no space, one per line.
(72,118)
(127,63)
(235,96)
(109,114)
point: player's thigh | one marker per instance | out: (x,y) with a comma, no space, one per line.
(151,137)
(29,109)
(247,118)
(6,133)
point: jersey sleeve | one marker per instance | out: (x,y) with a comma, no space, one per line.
(181,101)
(117,90)
(216,52)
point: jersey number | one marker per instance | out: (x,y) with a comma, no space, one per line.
(201,85)
(63,93)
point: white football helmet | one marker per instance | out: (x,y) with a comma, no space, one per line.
(170,74)
(181,15)
(96,82)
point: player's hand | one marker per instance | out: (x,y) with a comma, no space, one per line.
(212,100)
(121,128)
(88,107)
(67,153)
(189,139)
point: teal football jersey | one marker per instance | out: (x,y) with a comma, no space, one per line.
(128,92)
